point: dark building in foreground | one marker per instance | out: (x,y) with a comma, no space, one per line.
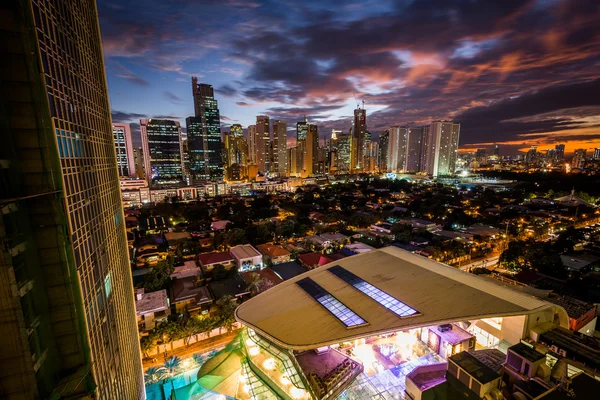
(67,314)
(204,135)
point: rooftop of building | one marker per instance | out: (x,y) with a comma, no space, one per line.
(527,352)
(575,308)
(151,302)
(268,278)
(189,268)
(186,288)
(577,262)
(172,237)
(215,257)
(288,270)
(313,259)
(272,250)
(243,251)
(478,370)
(440,294)
(333,237)
(234,286)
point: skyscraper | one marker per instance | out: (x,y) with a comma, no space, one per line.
(161,143)
(344,149)
(579,158)
(413,149)
(252,144)
(237,152)
(397,148)
(280,147)
(596,155)
(67,312)
(263,143)
(311,158)
(359,128)
(138,159)
(124,150)
(559,152)
(204,151)
(383,150)
(441,147)
(425,148)
(204,139)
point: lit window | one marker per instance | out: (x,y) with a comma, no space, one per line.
(389,302)
(331,304)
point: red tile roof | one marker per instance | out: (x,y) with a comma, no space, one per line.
(215,257)
(314,259)
(272,250)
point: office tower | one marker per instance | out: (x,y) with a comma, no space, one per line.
(441,146)
(301,133)
(161,141)
(236,148)
(124,150)
(311,156)
(596,155)
(559,152)
(425,148)
(204,148)
(185,157)
(371,156)
(383,150)
(204,139)
(480,155)
(359,128)
(138,160)
(413,149)
(252,144)
(397,148)
(532,155)
(263,143)
(579,159)
(344,149)
(497,151)
(280,147)
(67,312)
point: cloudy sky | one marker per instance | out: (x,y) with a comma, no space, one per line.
(515,73)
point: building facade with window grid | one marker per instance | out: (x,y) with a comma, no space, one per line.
(124,150)
(70,52)
(161,143)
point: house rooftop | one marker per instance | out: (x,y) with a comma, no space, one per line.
(244,251)
(189,268)
(215,257)
(478,370)
(185,289)
(268,278)
(288,270)
(151,302)
(438,294)
(272,250)
(234,286)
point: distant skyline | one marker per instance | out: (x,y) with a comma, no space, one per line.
(516,73)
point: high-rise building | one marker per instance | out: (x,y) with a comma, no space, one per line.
(413,149)
(67,312)
(138,160)
(311,155)
(236,148)
(293,161)
(161,141)
(579,158)
(204,139)
(497,151)
(359,128)
(252,144)
(301,133)
(559,152)
(425,148)
(397,148)
(344,152)
(383,150)
(204,149)
(263,144)
(481,156)
(441,147)
(532,155)
(596,155)
(124,150)
(280,147)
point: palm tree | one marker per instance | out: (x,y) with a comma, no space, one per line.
(172,364)
(154,374)
(254,284)
(198,358)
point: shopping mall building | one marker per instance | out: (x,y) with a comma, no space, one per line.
(384,324)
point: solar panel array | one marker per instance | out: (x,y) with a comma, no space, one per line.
(331,304)
(389,302)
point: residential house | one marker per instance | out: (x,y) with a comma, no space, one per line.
(209,260)
(274,254)
(247,257)
(151,308)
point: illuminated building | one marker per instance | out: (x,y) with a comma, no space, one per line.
(67,313)
(559,152)
(263,143)
(138,159)
(161,143)
(425,149)
(311,158)
(596,155)
(359,129)
(383,149)
(252,144)
(397,149)
(124,150)
(344,147)
(532,155)
(413,149)
(301,134)
(579,159)
(392,310)
(236,148)
(280,148)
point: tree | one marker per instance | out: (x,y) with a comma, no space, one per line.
(172,364)
(159,275)
(254,284)
(188,329)
(205,325)
(402,232)
(226,306)
(147,343)
(154,374)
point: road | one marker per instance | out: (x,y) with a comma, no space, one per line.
(487,262)
(204,346)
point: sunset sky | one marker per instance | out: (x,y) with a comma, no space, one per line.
(515,73)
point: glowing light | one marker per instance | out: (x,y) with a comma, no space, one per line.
(246,388)
(297,393)
(254,351)
(464,173)
(249,342)
(285,380)
(269,364)
(243,378)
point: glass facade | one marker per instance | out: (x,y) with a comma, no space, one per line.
(124,150)
(389,302)
(330,303)
(161,140)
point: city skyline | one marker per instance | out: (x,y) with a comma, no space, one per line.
(506,74)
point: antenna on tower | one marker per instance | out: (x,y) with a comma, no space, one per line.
(363,104)
(355,99)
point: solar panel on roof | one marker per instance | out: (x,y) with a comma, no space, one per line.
(389,302)
(330,303)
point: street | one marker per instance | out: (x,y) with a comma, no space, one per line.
(490,261)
